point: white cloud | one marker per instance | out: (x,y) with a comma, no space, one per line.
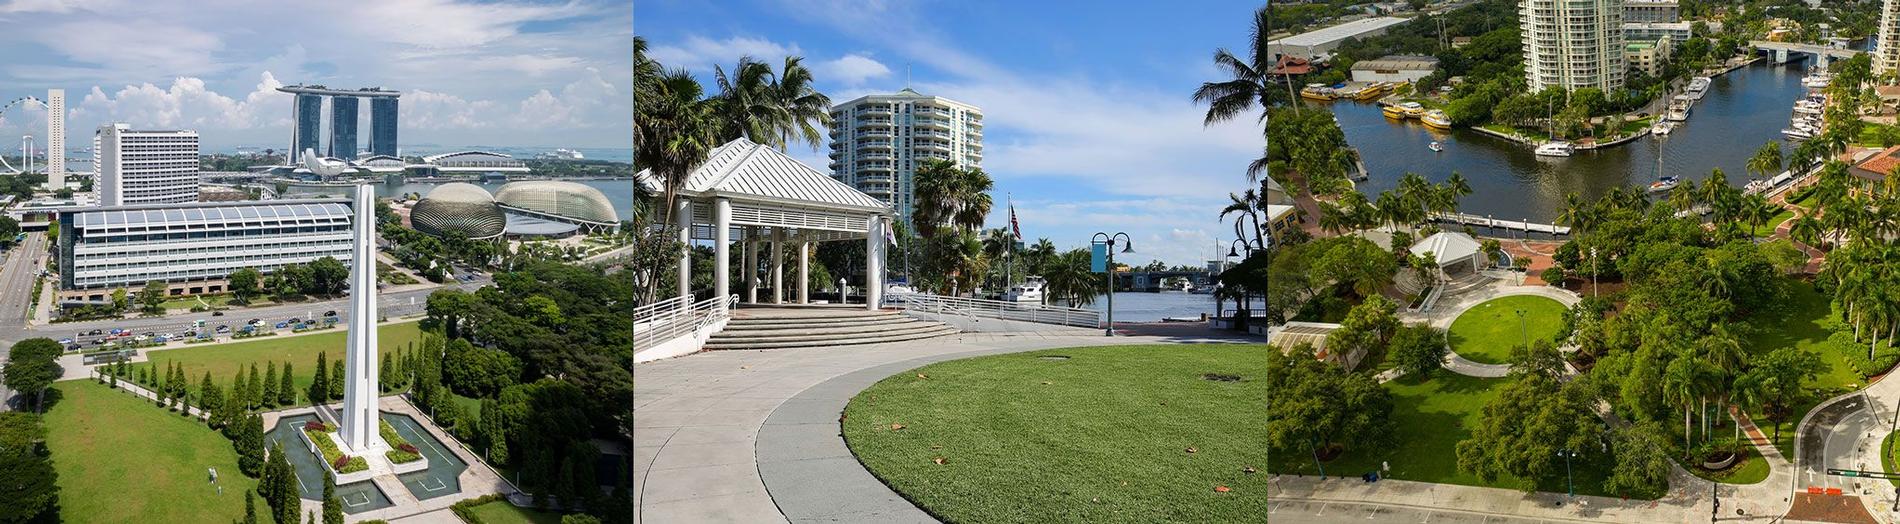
(852,69)
(185,104)
(699,53)
(450,24)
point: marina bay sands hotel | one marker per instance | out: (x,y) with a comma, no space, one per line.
(307,114)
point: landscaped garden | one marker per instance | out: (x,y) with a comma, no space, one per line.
(1487,332)
(1805,322)
(225,360)
(1098,434)
(401,452)
(121,460)
(319,433)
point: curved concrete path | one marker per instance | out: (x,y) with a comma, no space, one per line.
(1446,313)
(752,436)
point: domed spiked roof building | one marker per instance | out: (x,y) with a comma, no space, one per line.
(461,208)
(563,199)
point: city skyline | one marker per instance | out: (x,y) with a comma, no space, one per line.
(1079,126)
(481,74)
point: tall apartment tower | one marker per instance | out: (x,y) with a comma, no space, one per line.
(1887,46)
(55,139)
(382,123)
(343,128)
(879,142)
(307,125)
(1572,44)
(145,167)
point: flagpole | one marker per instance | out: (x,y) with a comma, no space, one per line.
(1009,252)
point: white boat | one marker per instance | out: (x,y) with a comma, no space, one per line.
(1698,86)
(561,154)
(1662,128)
(1436,147)
(1030,291)
(1816,81)
(1677,113)
(1664,184)
(1797,134)
(1556,148)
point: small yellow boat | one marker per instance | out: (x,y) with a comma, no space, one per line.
(1403,110)
(1372,92)
(1393,112)
(1436,119)
(1318,92)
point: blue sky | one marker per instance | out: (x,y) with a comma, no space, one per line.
(498,72)
(1087,107)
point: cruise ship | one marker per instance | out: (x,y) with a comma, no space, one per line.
(561,154)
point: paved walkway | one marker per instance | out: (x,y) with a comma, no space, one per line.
(752,436)
(1449,308)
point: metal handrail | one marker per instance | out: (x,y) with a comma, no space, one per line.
(659,322)
(1001,309)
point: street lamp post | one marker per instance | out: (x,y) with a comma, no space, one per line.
(1239,248)
(1127,247)
(1593,271)
(1566,454)
(1522,332)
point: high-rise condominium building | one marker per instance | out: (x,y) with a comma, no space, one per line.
(1887,47)
(1572,44)
(879,142)
(145,167)
(382,123)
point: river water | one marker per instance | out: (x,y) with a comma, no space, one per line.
(1741,110)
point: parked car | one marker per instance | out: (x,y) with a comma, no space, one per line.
(224,329)
(217,313)
(65,341)
(189,334)
(115,331)
(330,313)
(95,332)
(282,325)
(74,347)
(294,320)
(257,322)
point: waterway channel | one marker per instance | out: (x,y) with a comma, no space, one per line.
(1741,110)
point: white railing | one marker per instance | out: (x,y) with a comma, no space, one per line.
(659,322)
(997,309)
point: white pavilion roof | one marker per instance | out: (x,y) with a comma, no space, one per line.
(743,168)
(1448,247)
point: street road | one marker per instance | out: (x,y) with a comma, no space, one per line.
(1834,438)
(18,267)
(1317,512)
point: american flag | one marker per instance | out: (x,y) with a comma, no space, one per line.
(1014,228)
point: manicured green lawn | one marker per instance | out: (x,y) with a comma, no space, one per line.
(1752,469)
(1888,457)
(1102,436)
(1429,418)
(1487,332)
(224,360)
(501,512)
(1802,323)
(122,459)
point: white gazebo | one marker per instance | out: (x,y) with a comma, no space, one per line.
(771,198)
(1452,252)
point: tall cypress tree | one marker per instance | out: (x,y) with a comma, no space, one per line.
(332,506)
(250,507)
(336,379)
(211,401)
(270,384)
(286,489)
(320,386)
(383,375)
(286,393)
(251,446)
(256,392)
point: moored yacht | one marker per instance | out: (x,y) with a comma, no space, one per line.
(1030,291)
(1556,148)
(1698,86)
(1664,184)
(1436,119)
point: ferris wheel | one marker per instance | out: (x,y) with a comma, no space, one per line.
(3,114)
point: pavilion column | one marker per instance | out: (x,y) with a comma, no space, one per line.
(874,262)
(683,218)
(778,265)
(804,269)
(722,253)
(751,265)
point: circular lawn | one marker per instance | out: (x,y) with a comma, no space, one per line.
(1109,434)
(1487,332)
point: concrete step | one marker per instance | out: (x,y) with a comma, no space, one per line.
(938,331)
(809,316)
(820,335)
(754,325)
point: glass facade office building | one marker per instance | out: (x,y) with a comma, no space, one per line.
(343,127)
(194,247)
(382,121)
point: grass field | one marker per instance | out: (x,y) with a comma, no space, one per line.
(1887,456)
(1487,332)
(1102,436)
(1430,417)
(501,512)
(1752,469)
(1802,324)
(224,360)
(122,459)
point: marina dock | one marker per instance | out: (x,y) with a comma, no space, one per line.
(1512,225)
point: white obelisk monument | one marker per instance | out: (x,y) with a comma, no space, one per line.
(358,424)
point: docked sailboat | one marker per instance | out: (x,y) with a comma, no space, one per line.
(1664,184)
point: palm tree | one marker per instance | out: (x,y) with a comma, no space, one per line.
(1684,383)
(1068,276)
(949,195)
(1457,187)
(1247,205)
(1040,254)
(676,130)
(1249,83)
(806,110)
(748,106)
(1766,161)
(1758,210)
(997,245)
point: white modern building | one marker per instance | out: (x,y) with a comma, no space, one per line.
(878,142)
(55,139)
(1572,44)
(1317,45)
(1644,11)
(1887,44)
(1674,31)
(193,247)
(145,167)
